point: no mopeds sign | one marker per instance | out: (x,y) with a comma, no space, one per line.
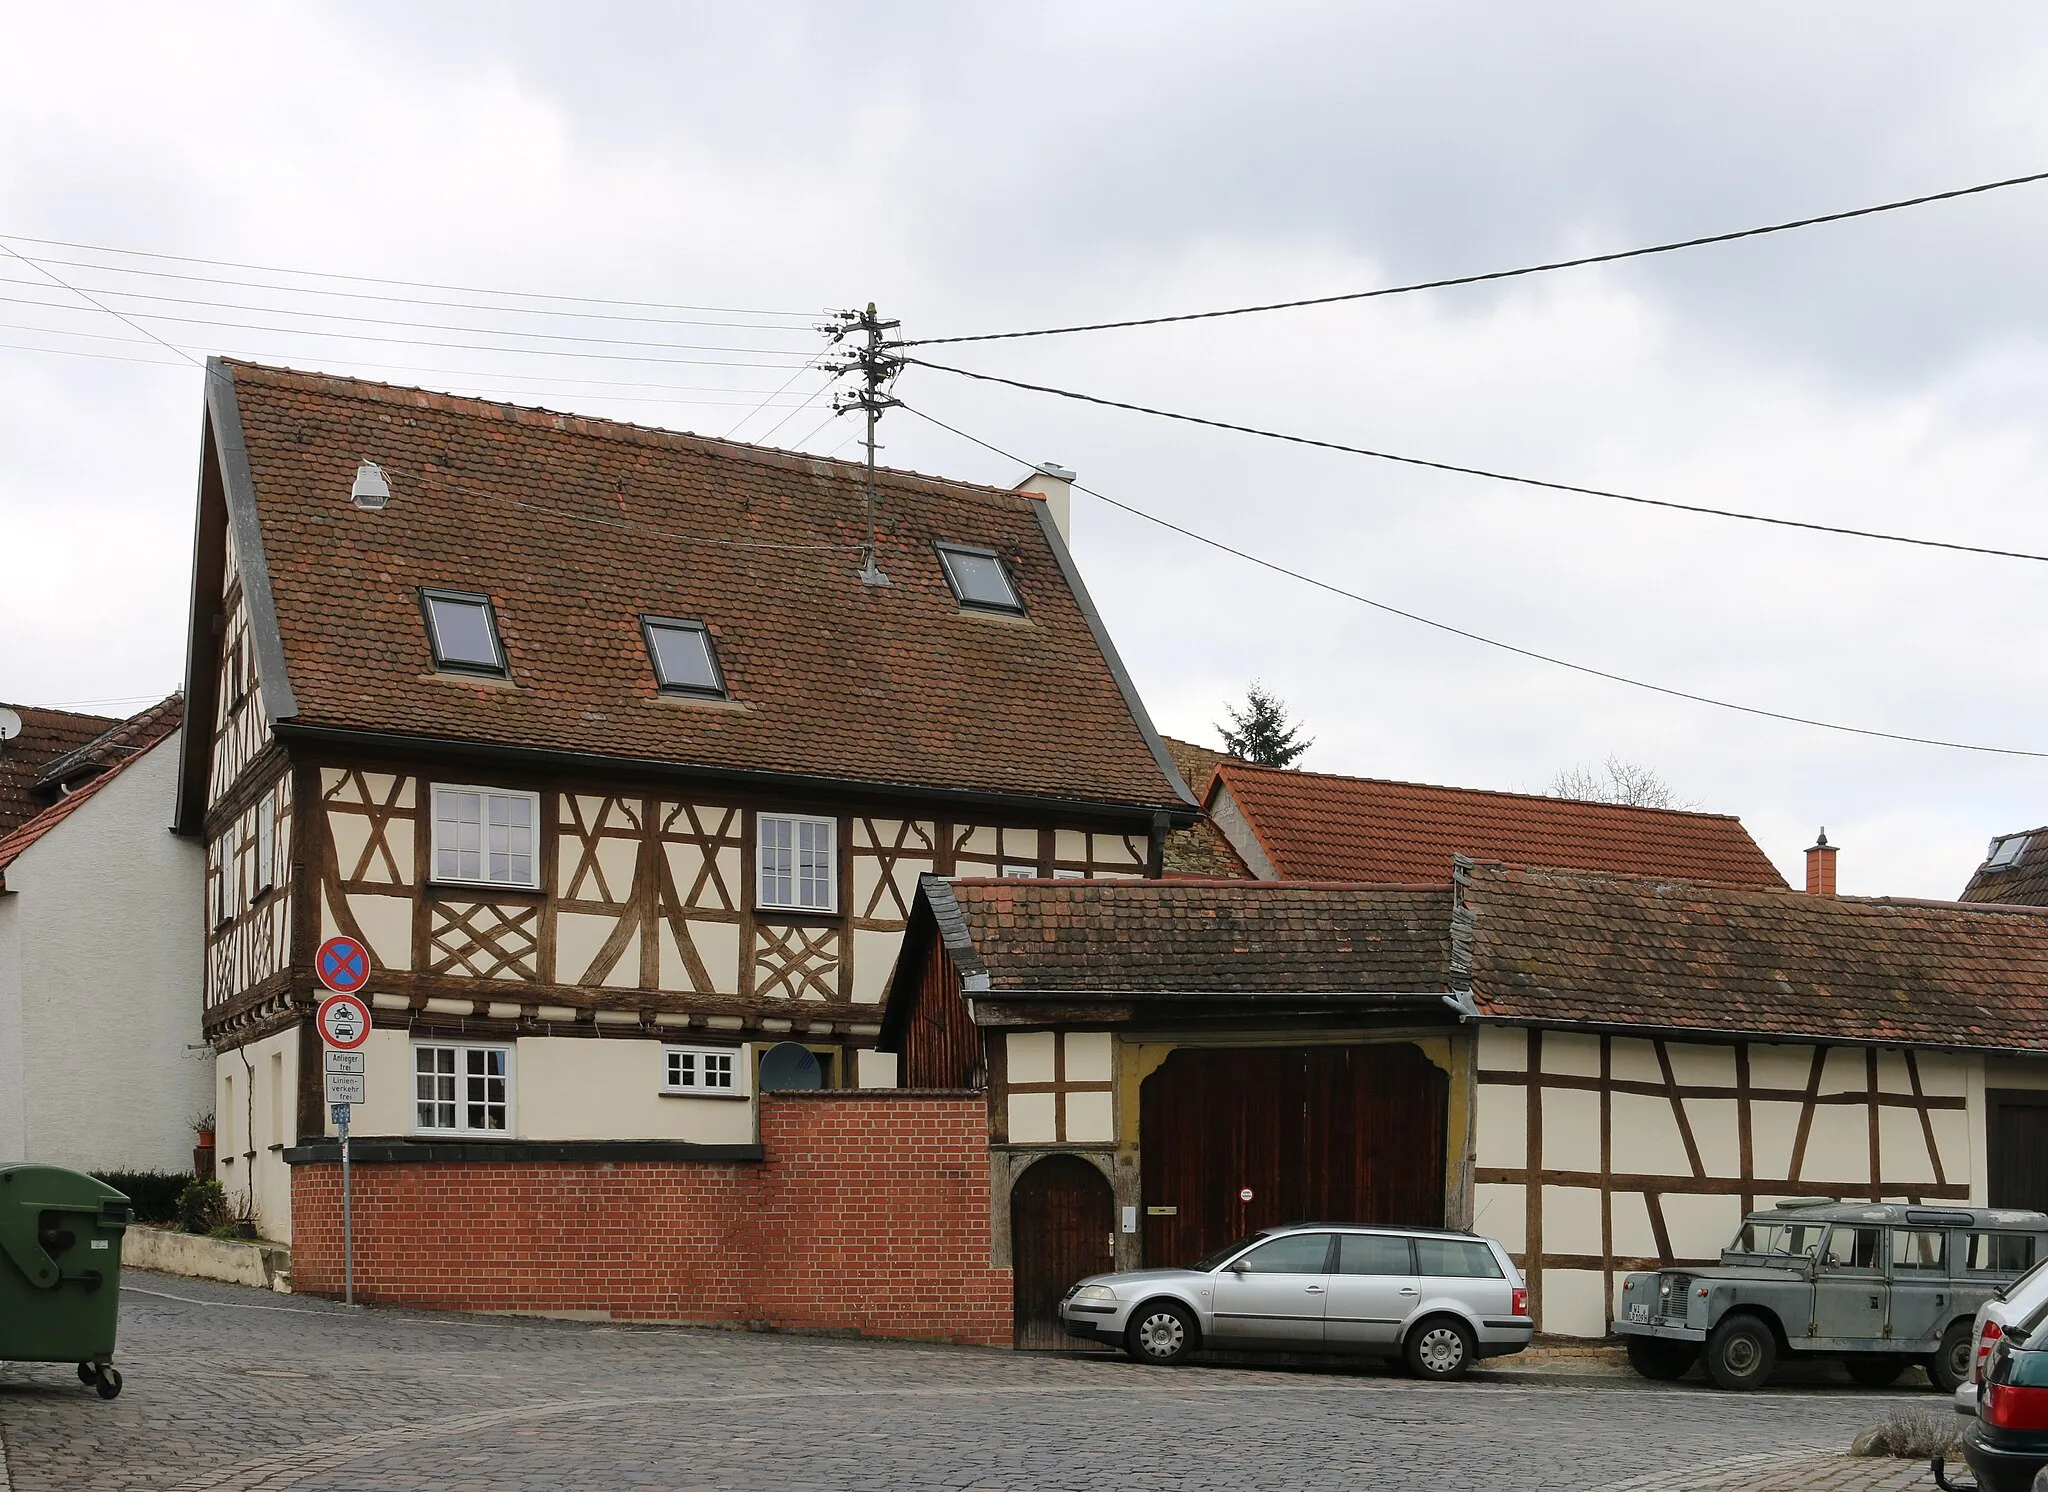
(344,1022)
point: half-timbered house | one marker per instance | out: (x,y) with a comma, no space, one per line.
(612,748)
(1602,1072)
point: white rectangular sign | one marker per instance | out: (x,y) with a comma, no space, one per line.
(343,1062)
(347,1087)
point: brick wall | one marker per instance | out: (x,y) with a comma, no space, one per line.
(870,1213)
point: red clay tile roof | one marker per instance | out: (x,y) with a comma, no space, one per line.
(113,750)
(575,528)
(1197,937)
(2023,883)
(1551,946)
(45,736)
(1314,826)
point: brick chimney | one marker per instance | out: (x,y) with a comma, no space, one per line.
(1820,867)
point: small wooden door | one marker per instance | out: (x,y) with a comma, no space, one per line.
(2018,1149)
(1062,1229)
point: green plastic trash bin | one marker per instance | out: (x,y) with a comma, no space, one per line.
(60,1270)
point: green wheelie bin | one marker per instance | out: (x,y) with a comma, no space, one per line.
(60,1270)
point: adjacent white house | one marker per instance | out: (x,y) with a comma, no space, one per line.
(102,1065)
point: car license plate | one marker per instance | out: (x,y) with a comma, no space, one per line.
(1639,1310)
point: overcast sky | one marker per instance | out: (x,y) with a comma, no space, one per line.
(975,167)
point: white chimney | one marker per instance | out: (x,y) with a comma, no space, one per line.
(1055,484)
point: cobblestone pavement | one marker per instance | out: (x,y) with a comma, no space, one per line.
(235,1389)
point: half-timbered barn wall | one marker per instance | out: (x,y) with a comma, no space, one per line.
(1597,1154)
(241,728)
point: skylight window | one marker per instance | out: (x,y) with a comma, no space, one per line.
(463,631)
(979,579)
(684,660)
(2006,852)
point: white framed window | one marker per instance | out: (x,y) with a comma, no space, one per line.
(718,1070)
(218,897)
(462,1089)
(1067,873)
(486,837)
(1012,872)
(798,863)
(266,843)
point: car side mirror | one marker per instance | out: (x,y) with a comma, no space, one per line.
(1237,1266)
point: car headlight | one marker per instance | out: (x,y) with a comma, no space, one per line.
(1095,1292)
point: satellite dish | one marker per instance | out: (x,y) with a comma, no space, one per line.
(789,1067)
(10,725)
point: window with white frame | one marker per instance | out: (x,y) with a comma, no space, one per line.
(217,882)
(486,837)
(703,1069)
(798,866)
(266,843)
(462,1089)
(1014,872)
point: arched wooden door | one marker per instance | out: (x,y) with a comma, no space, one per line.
(1062,1228)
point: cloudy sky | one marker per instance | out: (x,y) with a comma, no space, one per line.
(976,168)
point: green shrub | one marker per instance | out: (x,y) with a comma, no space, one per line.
(203,1206)
(153,1194)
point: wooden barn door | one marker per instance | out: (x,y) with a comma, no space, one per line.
(1062,1222)
(2017,1152)
(1350,1134)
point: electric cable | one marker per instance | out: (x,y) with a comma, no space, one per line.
(1478,637)
(1499,274)
(1481,471)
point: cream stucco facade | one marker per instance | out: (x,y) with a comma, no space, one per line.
(101,1062)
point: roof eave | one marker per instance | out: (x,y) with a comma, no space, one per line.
(1648,1032)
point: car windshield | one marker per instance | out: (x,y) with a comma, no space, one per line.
(1775,1240)
(1211,1261)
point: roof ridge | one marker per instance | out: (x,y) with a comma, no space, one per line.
(1793,893)
(341,384)
(1169,882)
(1237,766)
(67,714)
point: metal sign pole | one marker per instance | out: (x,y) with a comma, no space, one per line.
(348,1225)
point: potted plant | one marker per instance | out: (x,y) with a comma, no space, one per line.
(202,1147)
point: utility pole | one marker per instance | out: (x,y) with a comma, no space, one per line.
(877,367)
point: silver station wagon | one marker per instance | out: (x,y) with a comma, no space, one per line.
(1436,1299)
(1879,1287)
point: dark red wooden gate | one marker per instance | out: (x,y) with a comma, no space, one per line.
(1325,1134)
(1062,1221)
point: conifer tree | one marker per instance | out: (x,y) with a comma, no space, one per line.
(1260,732)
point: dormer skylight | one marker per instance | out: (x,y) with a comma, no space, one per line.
(464,632)
(2006,852)
(684,660)
(979,578)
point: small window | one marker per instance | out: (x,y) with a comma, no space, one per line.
(1373,1253)
(1456,1258)
(2006,852)
(1916,1252)
(464,632)
(462,1089)
(697,1069)
(1019,872)
(798,867)
(2001,1253)
(219,912)
(1294,1253)
(1853,1248)
(979,578)
(485,837)
(1069,874)
(684,660)
(266,843)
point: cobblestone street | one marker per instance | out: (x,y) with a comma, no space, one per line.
(236,1389)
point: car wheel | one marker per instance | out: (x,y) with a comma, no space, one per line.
(1162,1333)
(1441,1349)
(1950,1365)
(1874,1370)
(1663,1361)
(1741,1352)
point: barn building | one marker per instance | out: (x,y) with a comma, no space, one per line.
(1602,1072)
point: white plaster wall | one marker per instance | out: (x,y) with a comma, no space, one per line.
(255,1108)
(100,978)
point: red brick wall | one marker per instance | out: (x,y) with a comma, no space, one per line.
(870,1213)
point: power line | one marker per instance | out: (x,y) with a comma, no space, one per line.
(439,326)
(272,269)
(1491,642)
(1480,471)
(1498,274)
(397,300)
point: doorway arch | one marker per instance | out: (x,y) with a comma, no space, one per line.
(1062,1228)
